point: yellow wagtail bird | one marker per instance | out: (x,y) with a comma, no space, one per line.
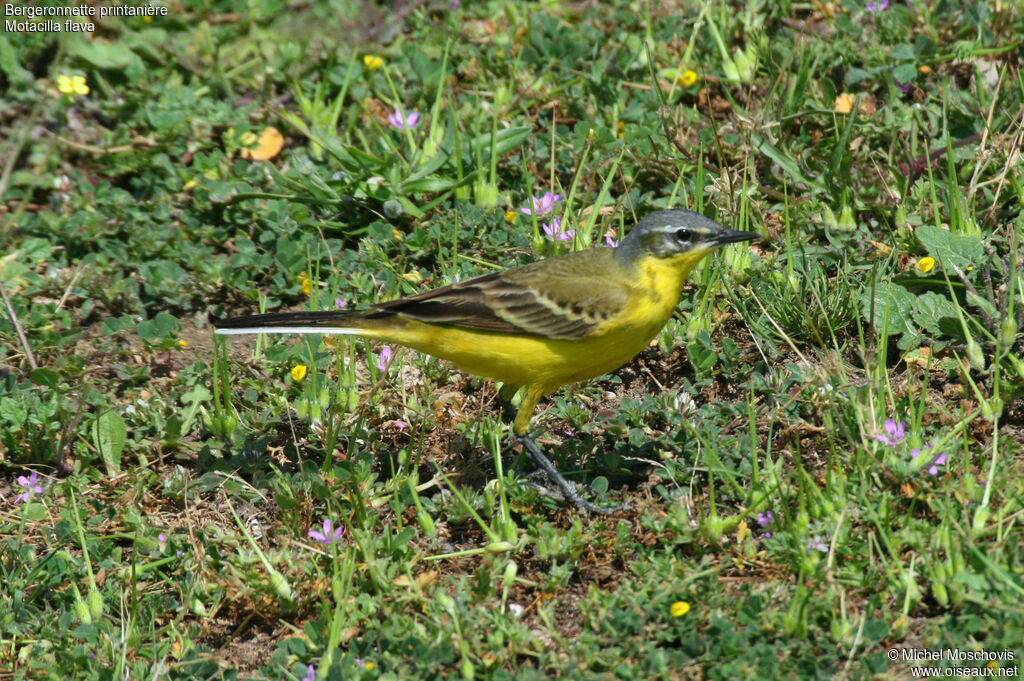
(539,326)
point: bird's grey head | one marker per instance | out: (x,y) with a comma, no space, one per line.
(665,233)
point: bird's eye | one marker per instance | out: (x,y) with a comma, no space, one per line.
(682,234)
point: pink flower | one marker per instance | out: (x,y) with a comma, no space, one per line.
(401,121)
(940,460)
(30,485)
(554,230)
(895,433)
(543,205)
(385,357)
(329,535)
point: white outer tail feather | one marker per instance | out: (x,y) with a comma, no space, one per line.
(322,330)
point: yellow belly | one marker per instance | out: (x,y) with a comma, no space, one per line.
(530,360)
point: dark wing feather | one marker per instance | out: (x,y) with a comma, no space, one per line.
(562,297)
(461,304)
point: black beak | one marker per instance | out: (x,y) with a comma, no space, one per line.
(730,236)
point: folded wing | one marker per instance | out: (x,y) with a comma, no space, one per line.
(568,298)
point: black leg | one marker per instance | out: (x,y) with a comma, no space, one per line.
(508,410)
(568,490)
(505,395)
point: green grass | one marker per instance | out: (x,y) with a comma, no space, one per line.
(180,477)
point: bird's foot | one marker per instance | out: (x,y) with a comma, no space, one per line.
(567,489)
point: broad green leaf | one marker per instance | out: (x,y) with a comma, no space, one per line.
(157,329)
(856,75)
(14,266)
(983,304)
(902,52)
(700,357)
(35,250)
(162,274)
(112,325)
(10,66)
(34,511)
(220,191)
(892,308)
(13,271)
(196,395)
(14,412)
(115,55)
(952,250)
(904,73)
(109,434)
(45,376)
(194,398)
(930,308)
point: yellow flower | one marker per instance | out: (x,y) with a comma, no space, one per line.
(688,78)
(925,265)
(620,128)
(372,62)
(72,85)
(510,216)
(924,68)
(299,372)
(369,666)
(844,103)
(679,608)
(305,285)
(182,343)
(264,147)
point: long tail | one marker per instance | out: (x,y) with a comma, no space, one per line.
(344,322)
